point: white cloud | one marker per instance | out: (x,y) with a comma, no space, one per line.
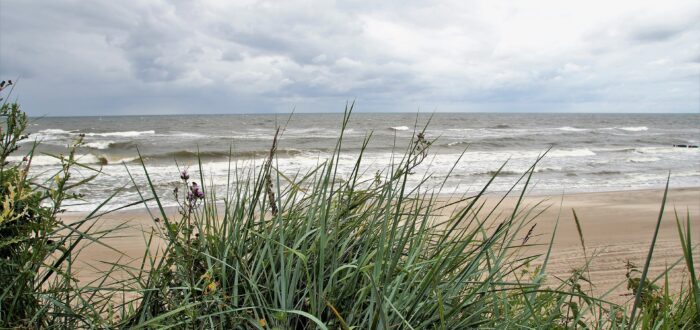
(107,57)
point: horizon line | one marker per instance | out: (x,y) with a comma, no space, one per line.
(362,112)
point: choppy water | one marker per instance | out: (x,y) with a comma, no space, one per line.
(589,152)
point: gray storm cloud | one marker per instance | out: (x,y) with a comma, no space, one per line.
(135,57)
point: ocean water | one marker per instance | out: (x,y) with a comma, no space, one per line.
(587,152)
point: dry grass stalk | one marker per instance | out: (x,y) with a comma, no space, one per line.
(268,177)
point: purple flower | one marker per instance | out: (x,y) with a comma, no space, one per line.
(195,191)
(184,175)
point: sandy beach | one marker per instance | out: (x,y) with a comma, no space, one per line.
(617,227)
(349,165)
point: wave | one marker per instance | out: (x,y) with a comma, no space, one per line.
(104,145)
(36,160)
(503,172)
(456,143)
(54,131)
(123,134)
(521,171)
(604,172)
(620,150)
(189,154)
(666,150)
(182,134)
(500,126)
(87,159)
(316,131)
(643,159)
(50,134)
(572,153)
(106,159)
(571,129)
(219,154)
(399,128)
(100,145)
(123,144)
(634,128)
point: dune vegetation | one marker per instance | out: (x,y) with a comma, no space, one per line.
(304,251)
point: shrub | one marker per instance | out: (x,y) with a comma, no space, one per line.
(36,248)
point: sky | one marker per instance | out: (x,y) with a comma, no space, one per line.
(203,56)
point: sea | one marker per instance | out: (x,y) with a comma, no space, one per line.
(584,152)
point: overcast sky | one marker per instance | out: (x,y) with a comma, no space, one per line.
(156,57)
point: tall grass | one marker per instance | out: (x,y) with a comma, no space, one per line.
(319,251)
(37,249)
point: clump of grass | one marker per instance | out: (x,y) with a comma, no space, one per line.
(324,251)
(37,249)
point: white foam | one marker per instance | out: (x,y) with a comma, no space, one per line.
(45,160)
(250,137)
(643,159)
(456,143)
(50,134)
(571,129)
(399,128)
(572,153)
(634,128)
(101,145)
(123,134)
(666,150)
(37,160)
(55,131)
(119,160)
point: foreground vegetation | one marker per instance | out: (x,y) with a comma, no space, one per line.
(305,251)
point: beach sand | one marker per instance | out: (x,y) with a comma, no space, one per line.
(617,227)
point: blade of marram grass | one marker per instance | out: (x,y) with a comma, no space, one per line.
(647,263)
(579,231)
(687,247)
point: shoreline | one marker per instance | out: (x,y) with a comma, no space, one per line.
(617,227)
(444,196)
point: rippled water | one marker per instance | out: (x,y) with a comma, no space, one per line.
(589,152)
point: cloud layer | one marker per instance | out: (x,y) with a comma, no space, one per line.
(153,57)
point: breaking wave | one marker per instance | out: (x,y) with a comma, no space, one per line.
(399,128)
(123,134)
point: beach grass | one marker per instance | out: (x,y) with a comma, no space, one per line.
(313,250)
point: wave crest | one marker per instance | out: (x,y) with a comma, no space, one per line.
(571,129)
(572,153)
(634,128)
(399,128)
(123,134)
